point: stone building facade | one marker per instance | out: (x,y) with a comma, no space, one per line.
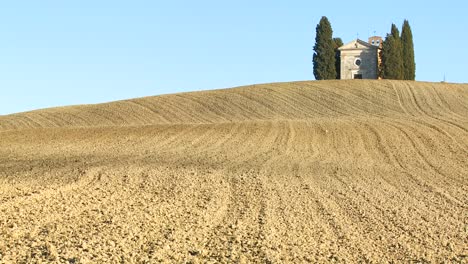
(360,59)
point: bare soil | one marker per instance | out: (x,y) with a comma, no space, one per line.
(329,171)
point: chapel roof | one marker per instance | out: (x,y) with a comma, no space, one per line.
(357,44)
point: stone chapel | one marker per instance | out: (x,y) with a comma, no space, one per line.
(360,59)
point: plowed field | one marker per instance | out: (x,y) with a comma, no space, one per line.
(329,171)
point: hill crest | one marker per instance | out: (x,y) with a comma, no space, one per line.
(289,101)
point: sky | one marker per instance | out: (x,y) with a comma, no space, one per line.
(55,53)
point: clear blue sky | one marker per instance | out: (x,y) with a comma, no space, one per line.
(56,53)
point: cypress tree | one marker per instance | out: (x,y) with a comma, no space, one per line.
(386,48)
(324,55)
(395,32)
(409,65)
(392,56)
(337,43)
(399,74)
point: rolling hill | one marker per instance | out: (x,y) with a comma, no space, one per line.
(322,171)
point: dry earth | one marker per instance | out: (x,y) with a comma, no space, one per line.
(331,171)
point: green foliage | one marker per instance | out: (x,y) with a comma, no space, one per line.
(337,43)
(409,64)
(392,56)
(324,55)
(395,32)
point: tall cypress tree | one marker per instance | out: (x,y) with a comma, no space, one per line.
(409,65)
(399,74)
(386,49)
(324,55)
(337,43)
(395,32)
(392,56)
